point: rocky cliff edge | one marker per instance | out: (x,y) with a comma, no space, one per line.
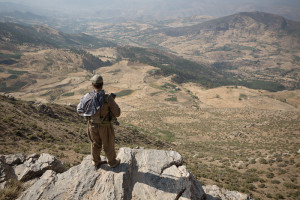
(142,174)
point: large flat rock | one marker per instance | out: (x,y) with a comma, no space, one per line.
(142,174)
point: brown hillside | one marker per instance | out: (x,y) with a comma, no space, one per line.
(32,127)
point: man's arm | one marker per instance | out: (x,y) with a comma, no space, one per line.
(114,107)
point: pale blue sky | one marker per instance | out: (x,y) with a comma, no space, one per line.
(168,7)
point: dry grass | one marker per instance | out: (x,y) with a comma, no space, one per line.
(12,190)
(244,140)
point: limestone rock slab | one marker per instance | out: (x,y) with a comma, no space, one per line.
(142,174)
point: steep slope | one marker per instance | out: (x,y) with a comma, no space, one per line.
(29,55)
(32,127)
(47,36)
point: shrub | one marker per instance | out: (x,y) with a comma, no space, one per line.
(155,93)
(243,96)
(171,99)
(76,149)
(114,72)
(68,94)
(263,161)
(293,179)
(250,187)
(269,196)
(292,161)
(295,194)
(270,175)
(252,161)
(279,159)
(19,133)
(15,72)
(12,76)
(47,93)
(281,165)
(275,181)
(67,165)
(168,86)
(62,148)
(290,185)
(12,190)
(271,161)
(124,93)
(279,196)
(32,137)
(281,171)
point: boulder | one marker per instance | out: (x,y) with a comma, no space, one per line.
(215,193)
(44,109)
(142,174)
(14,159)
(17,167)
(35,166)
(9,96)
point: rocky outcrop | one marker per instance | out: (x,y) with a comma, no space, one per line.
(44,109)
(9,96)
(142,174)
(27,168)
(214,193)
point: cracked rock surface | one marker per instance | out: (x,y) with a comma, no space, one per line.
(142,174)
(27,168)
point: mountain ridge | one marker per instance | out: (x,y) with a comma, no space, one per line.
(274,22)
(45,35)
(206,74)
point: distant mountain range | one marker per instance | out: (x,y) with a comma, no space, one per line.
(47,36)
(149,10)
(270,22)
(21,16)
(256,50)
(252,45)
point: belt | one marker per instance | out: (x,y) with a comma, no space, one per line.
(103,123)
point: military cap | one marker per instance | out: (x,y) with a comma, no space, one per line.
(97,79)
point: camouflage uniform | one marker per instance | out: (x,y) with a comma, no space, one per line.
(101,131)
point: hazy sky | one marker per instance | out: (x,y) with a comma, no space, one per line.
(167,7)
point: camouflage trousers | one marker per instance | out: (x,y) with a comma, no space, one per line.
(102,135)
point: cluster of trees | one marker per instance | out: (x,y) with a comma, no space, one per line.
(91,62)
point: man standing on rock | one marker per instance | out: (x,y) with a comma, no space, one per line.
(99,109)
